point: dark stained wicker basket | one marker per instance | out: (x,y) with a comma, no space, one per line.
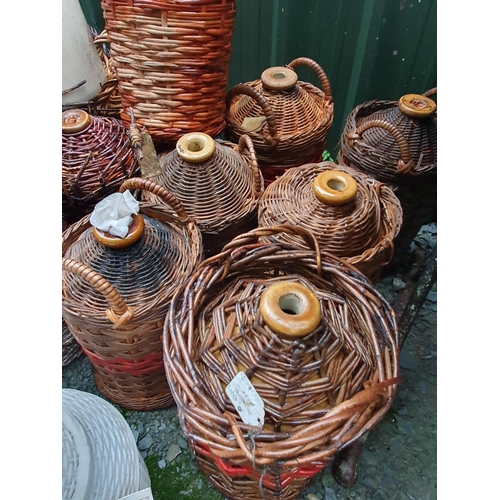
(115,299)
(287,119)
(171,59)
(352,215)
(396,142)
(218,183)
(314,338)
(97,157)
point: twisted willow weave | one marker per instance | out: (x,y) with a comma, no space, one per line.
(320,392)
(115,301)
(296,120)
(360,231)
(171,59)
(95,161)
(221,193)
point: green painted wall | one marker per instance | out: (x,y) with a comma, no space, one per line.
(369,49)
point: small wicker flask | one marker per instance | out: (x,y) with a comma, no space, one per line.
(116,292)
(287,119)
(352,215)
(278,357)
(218,183)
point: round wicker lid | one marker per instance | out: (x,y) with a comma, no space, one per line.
(287,119)
(317,388)
(391,140)
(218,183)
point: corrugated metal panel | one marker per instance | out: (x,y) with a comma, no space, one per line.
(369,49)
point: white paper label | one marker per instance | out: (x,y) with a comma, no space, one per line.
(140,495)
(246,400)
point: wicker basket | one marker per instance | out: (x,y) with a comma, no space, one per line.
(97,157)
(287,119)
(171,59)
(396,143)
(218,183)
(352,215)
(115,299)
(317,343)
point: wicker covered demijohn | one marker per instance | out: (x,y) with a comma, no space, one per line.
(171,59)
(352,215)
(116,292)
(396,143)
(278,357)
(97,157)
(287,119)
(218,183)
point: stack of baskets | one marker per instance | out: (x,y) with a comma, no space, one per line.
(278,357)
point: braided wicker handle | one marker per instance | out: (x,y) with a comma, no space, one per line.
(245,142)
(430,92)
(244,88)
(305,61)
(405,163)
(119,313)
(158,190)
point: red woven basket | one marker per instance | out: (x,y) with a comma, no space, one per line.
(310,335)
(171,59)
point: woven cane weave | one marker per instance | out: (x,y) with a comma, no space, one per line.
(95,161)
(220,193)
(296,120)
(321,390)
(360,231)
(70,348)
(115,300)
(171,59)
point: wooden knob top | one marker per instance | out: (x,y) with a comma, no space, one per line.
(75,120)
(195,147)
(417,106)
(279,78)
(290,309)
(135,231)
(335,187)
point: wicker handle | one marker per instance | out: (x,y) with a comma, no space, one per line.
(305,61)
(246,143)
(246,89)
(119,313)
(430,92)
(158,190)
(405,163)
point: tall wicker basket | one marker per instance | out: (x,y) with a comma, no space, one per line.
(171,59)
(314,344)
(396,143)
(115,295)
(352,215)
(218,183)
(287,119)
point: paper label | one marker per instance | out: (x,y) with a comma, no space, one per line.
(139,495)
(246,400)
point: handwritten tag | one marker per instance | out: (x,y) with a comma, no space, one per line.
(139,495)
(246,400)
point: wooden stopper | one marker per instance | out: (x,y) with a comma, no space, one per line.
(279,78)
(75,120)
(334,187)
(135,231)
(290,309)
(195,147)
(417,106)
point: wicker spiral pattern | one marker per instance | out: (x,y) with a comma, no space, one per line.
(95,162)
(361,231)
(297,120)
(116,466)
(320,392)
(115,301)
(171,59)
(221,194)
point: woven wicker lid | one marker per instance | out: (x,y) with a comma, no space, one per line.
(217,182)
